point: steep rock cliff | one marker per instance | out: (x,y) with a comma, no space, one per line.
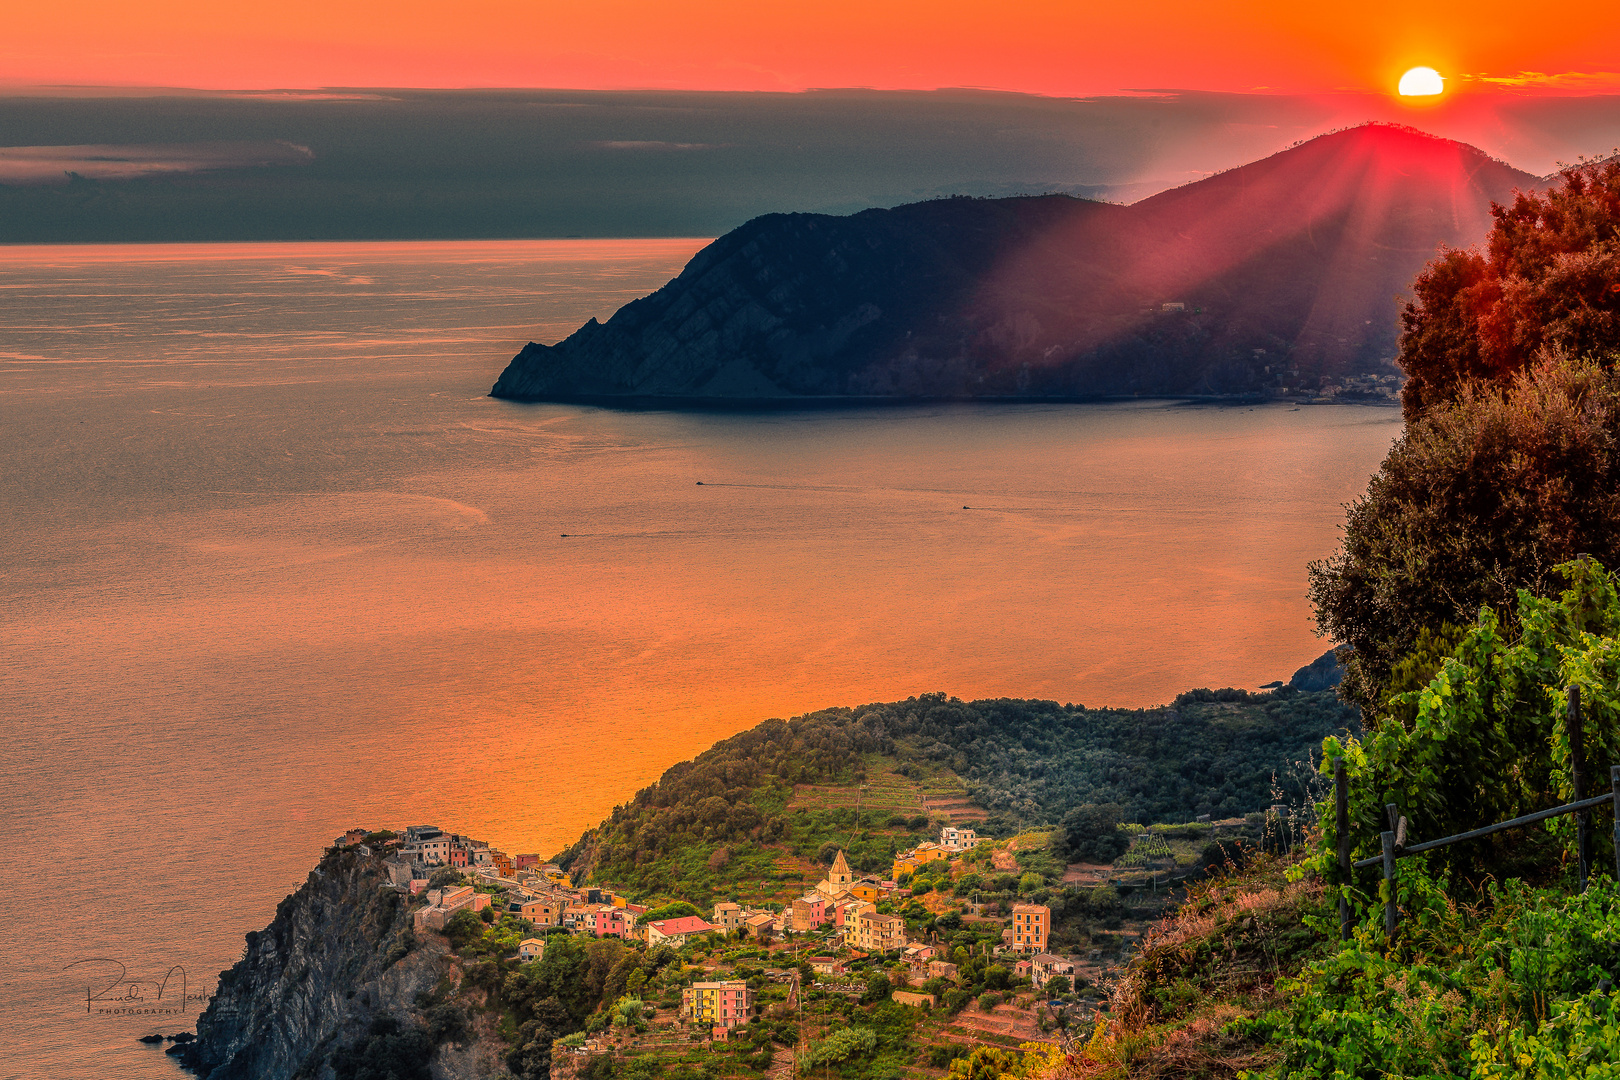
(339,954)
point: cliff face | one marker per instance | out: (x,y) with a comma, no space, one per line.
(789,305)
(339,954)
(1286,269)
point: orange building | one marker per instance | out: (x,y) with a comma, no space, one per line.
(1031,923)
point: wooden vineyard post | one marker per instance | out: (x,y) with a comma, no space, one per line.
(1577,770)
(1390,913)
(1614,783)
(1341,824)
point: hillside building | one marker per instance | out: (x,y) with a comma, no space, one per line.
(808,913)
(728,916)
(723,1005)
(878,933)
(1043,967)
(1031,923)
(838,879)
(675,931)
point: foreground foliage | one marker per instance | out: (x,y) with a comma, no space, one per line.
(1519,987)
(1489,737)
(1487,978)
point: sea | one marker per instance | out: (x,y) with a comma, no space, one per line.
(274,565)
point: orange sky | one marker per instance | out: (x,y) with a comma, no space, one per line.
(1060,47)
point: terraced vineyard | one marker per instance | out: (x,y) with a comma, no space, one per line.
(886,790)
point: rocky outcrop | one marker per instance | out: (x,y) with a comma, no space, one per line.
(339,954)
(1323,673)
(1278,274)
(795,305)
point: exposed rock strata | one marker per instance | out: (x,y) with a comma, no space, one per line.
(340,953)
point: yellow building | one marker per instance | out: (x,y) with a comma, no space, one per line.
(865,890)
(878,933)
(921,855)
(726,1004)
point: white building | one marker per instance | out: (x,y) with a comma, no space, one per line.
(952,838)
(1043,966)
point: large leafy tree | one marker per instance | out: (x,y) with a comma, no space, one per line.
(1545,283)
(1480,497)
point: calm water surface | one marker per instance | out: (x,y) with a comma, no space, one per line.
(275,566)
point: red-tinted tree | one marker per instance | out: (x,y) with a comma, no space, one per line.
(1545,283)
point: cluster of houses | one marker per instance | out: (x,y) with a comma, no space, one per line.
(543,894)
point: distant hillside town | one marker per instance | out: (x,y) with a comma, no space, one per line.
(851,915)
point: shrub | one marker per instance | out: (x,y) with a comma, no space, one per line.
(1489,741)
(1091,833)
(463,929)
(1480,498)
(989,1001)
(1547,280)
(446,1023)
(1516,990)
(385,1051)
(878,988)
(841,1045)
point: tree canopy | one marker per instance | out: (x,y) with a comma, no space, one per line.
(1479,498)
(1546,283)
(1210,752)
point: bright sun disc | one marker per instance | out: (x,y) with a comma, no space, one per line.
(1421,82)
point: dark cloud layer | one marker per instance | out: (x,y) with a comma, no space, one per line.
(432,164)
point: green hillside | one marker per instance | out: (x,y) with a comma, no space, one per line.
(757,815)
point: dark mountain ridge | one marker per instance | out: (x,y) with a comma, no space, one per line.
(1279,274)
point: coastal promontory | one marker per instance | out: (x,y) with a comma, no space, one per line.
(1279,277)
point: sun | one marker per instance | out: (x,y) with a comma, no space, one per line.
(1421,82)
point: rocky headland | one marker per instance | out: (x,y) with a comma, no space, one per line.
(339,957)
(1279,277)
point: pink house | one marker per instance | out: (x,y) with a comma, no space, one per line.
(809,912)
(612,922)
(676,931)
(525,862)
(845,913)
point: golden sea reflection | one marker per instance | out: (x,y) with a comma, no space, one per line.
(243,613)
(598,614)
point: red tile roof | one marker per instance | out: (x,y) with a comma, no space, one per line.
(689,924)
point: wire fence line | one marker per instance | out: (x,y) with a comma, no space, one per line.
(1394,838)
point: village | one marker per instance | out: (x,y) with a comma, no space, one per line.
(837,935)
